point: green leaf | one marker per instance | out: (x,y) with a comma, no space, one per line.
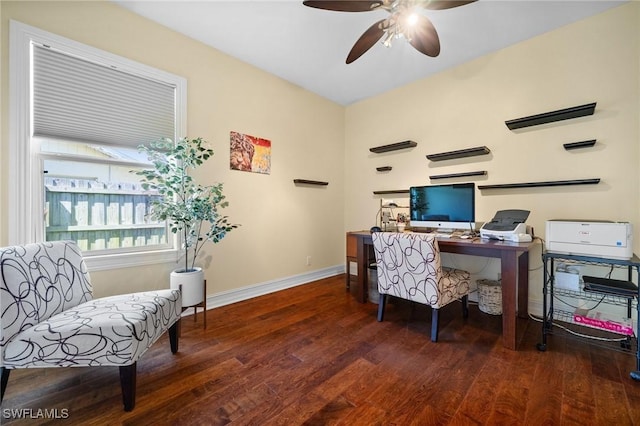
(190,209)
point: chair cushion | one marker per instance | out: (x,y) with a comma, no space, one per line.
(114,330)
(455,283)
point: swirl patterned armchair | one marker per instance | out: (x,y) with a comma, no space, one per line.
(409,267)
(50,319)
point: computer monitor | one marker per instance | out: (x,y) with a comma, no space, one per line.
(443,207)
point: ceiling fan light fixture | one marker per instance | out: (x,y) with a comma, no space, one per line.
(406,24)
(403,21)
(401,24)
(388,39)
(412,19)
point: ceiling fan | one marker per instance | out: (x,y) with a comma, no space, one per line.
(403,21)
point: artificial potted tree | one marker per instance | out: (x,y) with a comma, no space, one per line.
(190,209)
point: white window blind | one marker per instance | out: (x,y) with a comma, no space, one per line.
(74,99)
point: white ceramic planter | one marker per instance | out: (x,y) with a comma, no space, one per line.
(192,285)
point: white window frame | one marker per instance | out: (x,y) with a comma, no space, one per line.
(25,168)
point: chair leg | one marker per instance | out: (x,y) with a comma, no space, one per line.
(434,324)
(4,372)
(382,303)
(465,306)
(128,385)
(173,336)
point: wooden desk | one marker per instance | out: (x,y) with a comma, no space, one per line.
(514,265)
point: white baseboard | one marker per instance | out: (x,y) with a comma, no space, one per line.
(260,289)
(535,307)
(237,295)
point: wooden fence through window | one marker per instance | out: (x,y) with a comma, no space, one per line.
(101,216)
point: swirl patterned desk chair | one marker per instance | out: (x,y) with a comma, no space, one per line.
(50,319)
(409,267)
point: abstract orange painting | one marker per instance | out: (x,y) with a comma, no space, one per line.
(250,154)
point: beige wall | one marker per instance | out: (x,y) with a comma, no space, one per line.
(595,60)
(281,224)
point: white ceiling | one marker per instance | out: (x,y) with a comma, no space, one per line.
(308,47)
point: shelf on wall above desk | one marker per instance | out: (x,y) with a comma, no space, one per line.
(309,182)
(539,184)
(550,117)
(457,175)
(397,191)
(461,153)
(393,147)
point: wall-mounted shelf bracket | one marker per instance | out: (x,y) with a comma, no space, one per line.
(550,117)
(393,147)
(469,152)
(538,184)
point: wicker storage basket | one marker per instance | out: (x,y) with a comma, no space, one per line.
(490,297)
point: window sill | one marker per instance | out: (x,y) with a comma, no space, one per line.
(128,260)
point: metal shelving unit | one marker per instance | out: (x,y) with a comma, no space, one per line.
(602,337)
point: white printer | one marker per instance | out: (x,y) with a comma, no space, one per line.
(599,238)
(507,225)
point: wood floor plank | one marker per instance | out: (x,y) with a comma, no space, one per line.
(481,397)
(312,355)
(545,396)
(608,397)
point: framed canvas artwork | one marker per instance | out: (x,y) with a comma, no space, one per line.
(250,153)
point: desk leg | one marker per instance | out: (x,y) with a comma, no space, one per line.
(523,285)
(509,271)
(362,281)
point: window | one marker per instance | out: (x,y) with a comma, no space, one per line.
(92,198)
(77,115)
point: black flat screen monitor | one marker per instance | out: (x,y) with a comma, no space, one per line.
(444,207)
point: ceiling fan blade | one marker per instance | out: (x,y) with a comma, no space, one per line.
(366,41)
(424,37)
(344,5)
(444,4)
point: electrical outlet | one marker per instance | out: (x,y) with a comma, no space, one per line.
(308,260)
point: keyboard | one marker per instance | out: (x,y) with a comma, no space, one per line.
(436,234)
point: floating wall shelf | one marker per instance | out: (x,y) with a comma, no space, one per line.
(310,182)
(469,152)
(576,145)
(538,184)
(397,191)
(550,117)
(456,175)
(393,147)
(384,169)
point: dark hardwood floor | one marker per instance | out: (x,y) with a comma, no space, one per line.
(312,355)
